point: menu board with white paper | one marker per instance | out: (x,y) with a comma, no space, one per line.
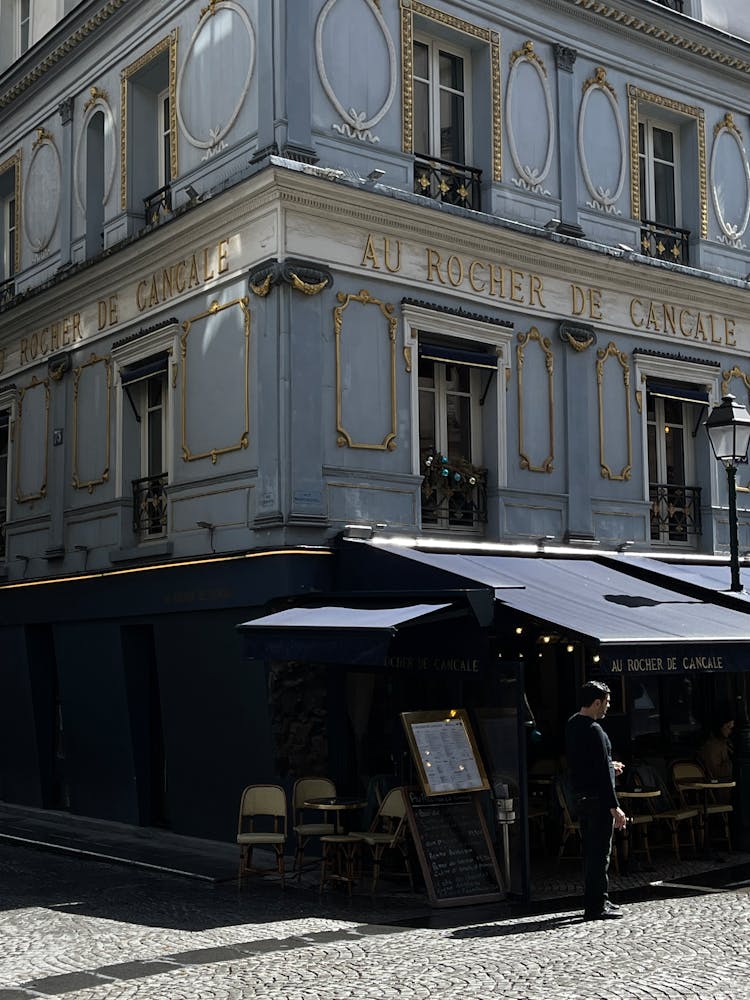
(445,752)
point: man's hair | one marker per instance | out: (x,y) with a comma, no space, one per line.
(593,691)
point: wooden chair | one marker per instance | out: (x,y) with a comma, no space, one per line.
(665,810)
(685,771)
(388,833)
(304,827)
(262,806)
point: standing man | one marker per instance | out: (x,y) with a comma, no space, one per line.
(592,775)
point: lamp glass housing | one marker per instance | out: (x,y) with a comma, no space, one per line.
(728,428)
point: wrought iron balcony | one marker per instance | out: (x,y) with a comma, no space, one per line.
(452,183)
(675,512)
(678,5)
(665,242)
(454,493)
(157,204)
(150,506)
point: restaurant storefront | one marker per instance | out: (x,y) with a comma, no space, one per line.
(509,638)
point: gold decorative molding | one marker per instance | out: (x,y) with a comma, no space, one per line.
(307,287)
(603,355)
(22,393)
(344,439)
(14,163)
(527,52)
(61,51)
(637,96)
(524,339)
(728,123)
(639,400)
(726,378)
(213,309)
(407,360)
(408,9)
(578,345)
(42,135)
(599,79)
(167,43)
(262,288)
(209,9)
(77,483)
(97,94)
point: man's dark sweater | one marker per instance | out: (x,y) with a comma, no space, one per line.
(589,754)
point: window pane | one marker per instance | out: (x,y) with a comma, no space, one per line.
(664,198)
(421,119)
(421,61)
(675,455)
(458,412)
(663,145)
(451,71)
(653,468)
(641,138)
(642,187)
(427,440)
(452,127)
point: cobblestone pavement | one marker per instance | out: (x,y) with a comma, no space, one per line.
(75,928)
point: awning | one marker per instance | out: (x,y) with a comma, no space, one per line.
(639,626)
(332,634)
(711,577)
(457,356)
(140,370)
(677,390)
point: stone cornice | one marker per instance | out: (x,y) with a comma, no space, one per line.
(52,55)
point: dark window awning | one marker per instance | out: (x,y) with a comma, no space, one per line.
(140,370)
(638,625)
(457,356)
(677,390)
(332,634)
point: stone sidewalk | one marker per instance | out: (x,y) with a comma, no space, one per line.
(73,926)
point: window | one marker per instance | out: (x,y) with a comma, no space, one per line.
(674,411)
(23,25)
(148,121)
(4,473)
(144,467)
(659,179)
(441,118)
(458,409)
(9,241)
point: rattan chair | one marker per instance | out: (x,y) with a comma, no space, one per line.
(262,823)
(304,827)
(685,771)
(388,833)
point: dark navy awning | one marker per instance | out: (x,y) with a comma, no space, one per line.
(678,390)
(140,370)
(457,356)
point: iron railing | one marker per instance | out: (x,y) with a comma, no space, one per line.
(665,242)
(157,204)
(453,183)
(150,505)
(454,493)
(675,512)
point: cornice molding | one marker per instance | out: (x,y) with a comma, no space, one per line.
(53,56)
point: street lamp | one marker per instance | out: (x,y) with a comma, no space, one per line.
(728,428)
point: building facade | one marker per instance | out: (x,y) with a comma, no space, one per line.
(450,271)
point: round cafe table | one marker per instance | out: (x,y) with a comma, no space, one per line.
(339,805)
(706,788)
(340,860)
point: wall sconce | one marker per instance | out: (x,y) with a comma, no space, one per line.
(519,630)
(595,658)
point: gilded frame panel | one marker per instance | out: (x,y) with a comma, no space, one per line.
(77,373)
(170,43)
(408,9)
(42,492)
(14,163)
(213,453)
(603,355)
(727,376)
(524,339)
(344,439)
(636,96)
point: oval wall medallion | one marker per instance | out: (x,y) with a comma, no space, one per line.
(42,192)
(730,179)
(223,38)
(608,128)
(356,124)
(93,106)
(525,61)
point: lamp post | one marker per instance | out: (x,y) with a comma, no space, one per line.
(728,428)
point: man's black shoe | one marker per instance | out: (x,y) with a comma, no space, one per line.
(604,915)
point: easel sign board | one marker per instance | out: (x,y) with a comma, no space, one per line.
(454,848)
(444,749)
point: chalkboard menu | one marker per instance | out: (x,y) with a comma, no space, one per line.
(454,848)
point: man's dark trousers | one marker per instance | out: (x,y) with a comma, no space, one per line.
(597,824)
